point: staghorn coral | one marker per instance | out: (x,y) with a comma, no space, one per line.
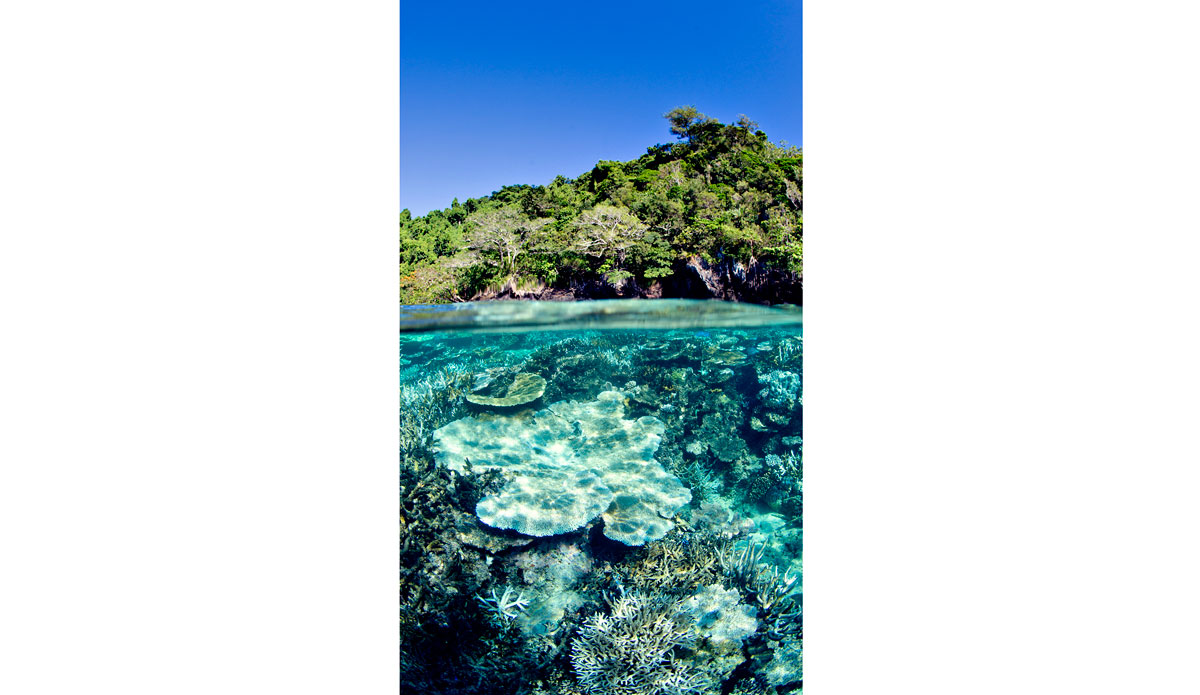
(779,612)
(447,644)
(569,464)
(761,582)
(506,606)
(675,565)
(428,404)
(704,485)
(632,651)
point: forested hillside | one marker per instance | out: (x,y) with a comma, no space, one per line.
(720,202)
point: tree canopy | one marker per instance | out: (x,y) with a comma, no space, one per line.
(720,192)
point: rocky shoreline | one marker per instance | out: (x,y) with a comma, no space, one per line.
(754,282)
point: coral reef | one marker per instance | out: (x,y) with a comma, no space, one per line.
(774,481)
(631,651)
(567,465)
(720,616)
(779,401)
(447,643)
(505,606)
(428,404)
(787,666)
(704,483)
(640,534)
(525,388)
(580,367)
(675,565)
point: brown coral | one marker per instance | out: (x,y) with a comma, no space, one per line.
(525,388)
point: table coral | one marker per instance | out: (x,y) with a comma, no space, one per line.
(525,388)
(568,464)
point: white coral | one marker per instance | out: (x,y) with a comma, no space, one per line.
(567,465)
(506,605)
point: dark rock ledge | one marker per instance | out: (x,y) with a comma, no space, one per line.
(753,282)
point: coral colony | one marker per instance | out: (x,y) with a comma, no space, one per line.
(596,512)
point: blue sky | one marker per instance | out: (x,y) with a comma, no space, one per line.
(504,93)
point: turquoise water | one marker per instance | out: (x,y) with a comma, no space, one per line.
(601,498)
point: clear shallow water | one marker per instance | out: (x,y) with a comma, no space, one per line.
(601,497)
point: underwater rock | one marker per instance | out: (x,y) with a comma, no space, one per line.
(569,464)
(525,388)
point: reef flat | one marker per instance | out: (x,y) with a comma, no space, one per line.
(601,512)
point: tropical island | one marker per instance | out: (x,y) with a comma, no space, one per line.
(716,214)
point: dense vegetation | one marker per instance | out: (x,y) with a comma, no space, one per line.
(721,192)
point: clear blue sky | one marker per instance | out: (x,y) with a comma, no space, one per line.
(505,93)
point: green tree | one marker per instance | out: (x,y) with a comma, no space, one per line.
(501,236)
(686,121)
(607,232)
(724,192)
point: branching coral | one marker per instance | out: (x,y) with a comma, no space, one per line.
(443,636)
(506,606)
(428,404)
(677,564)
(760,581)
(700,480)
(778,605)
(631,651)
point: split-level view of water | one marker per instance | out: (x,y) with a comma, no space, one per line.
(601,498)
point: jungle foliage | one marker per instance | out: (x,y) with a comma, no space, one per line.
(720,192)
